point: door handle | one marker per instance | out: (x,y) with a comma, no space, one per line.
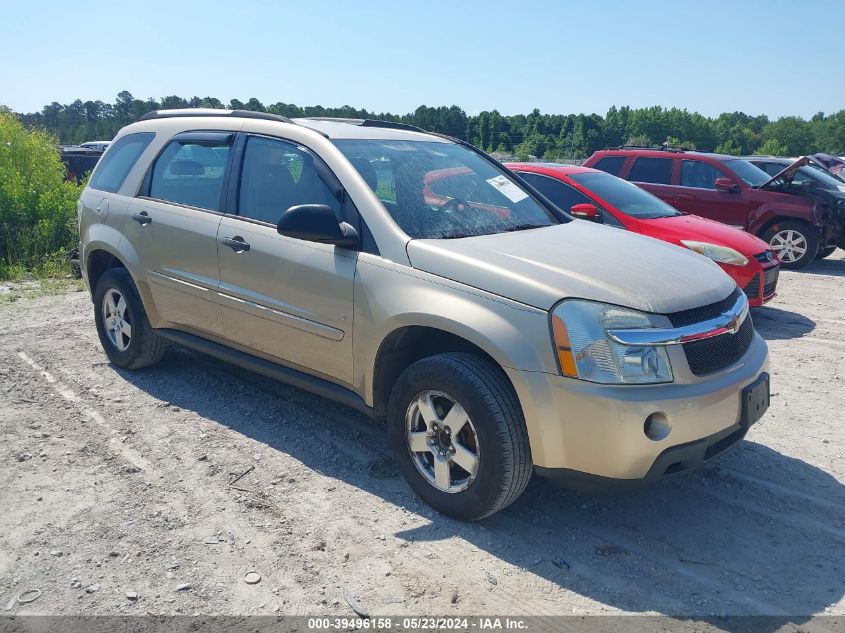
(236,243)
(142,218)
(685,196)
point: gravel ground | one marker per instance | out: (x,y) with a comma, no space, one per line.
(115,494)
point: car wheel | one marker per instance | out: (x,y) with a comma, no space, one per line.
(458,434)
(826,252)
(122,324)
(796,243)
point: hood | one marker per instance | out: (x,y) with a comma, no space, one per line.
(692,227)
(579,259)
(788,173)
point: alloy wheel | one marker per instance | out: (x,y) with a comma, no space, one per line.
(116,319)
(442,441)
(790,245)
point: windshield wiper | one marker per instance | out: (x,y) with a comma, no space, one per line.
(665,215)
(457,236)
(525,227)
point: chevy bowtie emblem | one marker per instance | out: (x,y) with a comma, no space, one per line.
(733,325)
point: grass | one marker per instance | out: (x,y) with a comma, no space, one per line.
(53,276)
(35,288)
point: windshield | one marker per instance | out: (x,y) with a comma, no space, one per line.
(625,196)
(443,190)
(751,174)
(817,176)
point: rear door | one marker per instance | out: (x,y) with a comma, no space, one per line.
(654,175)
(697,194)
(173,226)
(281,297)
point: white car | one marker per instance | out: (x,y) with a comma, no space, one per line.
(100,146)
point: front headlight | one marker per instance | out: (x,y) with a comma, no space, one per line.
(720,254)
(585,351)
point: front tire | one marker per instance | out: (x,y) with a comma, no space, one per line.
(458,434)
(122,325)
(826,252)
(796,243)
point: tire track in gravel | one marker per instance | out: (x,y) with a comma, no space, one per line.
(88,412)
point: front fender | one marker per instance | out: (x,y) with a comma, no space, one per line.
(761,217)
(390,296)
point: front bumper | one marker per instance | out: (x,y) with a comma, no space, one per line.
(674,461)
(758,280)
(597,431)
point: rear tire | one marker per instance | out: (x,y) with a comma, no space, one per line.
(479,465)
(796,243)
(125,332)
(826,252)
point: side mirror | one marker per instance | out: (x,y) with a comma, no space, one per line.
(725,184)
(317,223)
(585,210)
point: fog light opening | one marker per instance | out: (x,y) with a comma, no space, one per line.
(657,427)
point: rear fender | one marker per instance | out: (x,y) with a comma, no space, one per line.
(102,237)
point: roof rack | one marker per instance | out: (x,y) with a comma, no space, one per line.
(677,150)
(394,125)
(188,112)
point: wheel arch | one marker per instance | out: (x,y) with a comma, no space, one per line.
(408,344)
(97,262)
(764,217)
(774,221)
(101,255)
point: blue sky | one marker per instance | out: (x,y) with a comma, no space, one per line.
(769,57)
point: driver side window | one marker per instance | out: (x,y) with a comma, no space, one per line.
(698,174)
(277,175)
(564,196)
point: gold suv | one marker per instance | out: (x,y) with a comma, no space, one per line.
(410,276)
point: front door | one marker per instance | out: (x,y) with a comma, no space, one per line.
(282,297)
(173,226)
(697,194)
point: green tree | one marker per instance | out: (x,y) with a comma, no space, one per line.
(791,133)
(728,147)
(675,142)
(773,147)
(639,140)
(37,203)
(541,135)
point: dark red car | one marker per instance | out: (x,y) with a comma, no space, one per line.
(795,221)
(597,196)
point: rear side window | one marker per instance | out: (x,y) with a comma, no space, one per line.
(118,161)
(190,173)
(564,196)
(695,173)
(611,164)
(654,170)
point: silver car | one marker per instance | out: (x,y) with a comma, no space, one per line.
(412,277)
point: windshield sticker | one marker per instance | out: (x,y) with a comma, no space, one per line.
(507,188)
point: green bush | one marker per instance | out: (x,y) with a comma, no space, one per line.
(37,204)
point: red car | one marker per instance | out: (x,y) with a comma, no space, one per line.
(595,195)
(797,222)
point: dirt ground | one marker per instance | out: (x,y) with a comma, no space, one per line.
(115,495)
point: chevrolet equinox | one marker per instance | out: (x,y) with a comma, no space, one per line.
(494,334)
